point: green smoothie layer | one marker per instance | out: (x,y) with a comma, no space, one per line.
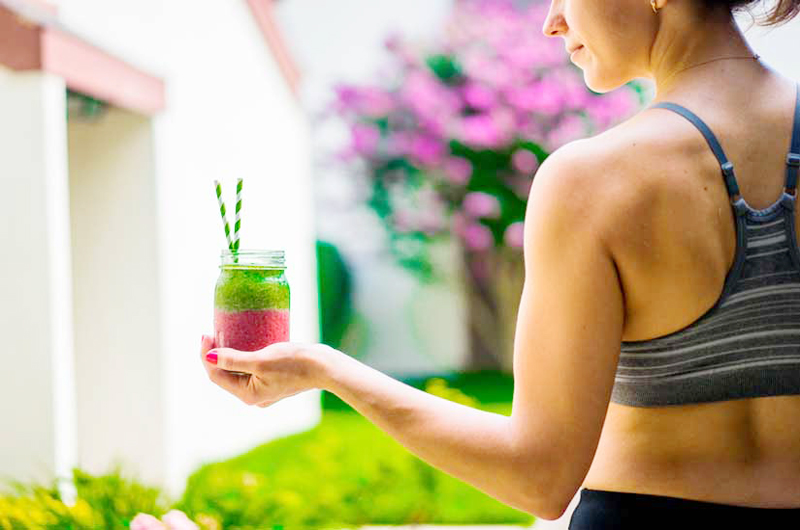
(242,289)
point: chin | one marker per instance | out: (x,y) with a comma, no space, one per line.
(603,85)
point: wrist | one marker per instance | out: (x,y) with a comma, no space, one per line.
(321,360)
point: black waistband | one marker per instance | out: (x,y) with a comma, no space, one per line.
(601,510)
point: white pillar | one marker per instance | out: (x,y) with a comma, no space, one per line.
(119,359)
(37,395)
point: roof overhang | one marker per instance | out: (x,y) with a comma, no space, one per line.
(31,39)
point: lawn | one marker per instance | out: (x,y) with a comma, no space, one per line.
(345,472)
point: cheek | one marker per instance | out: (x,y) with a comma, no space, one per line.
(611,30)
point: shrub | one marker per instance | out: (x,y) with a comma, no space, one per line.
(107,501)
(344,473)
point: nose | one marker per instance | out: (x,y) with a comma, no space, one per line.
(554,24)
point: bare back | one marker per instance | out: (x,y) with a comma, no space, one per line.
(674,240)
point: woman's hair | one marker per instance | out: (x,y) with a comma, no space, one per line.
(783,12)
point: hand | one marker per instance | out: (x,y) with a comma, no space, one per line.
(172,520)
(265,376)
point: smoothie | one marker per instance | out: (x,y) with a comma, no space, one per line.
(251,305)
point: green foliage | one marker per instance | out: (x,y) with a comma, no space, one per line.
(488,387)
(438,387)
(335,294)
(445,67)
(108,501)
(342,474)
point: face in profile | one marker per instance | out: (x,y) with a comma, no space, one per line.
(616,38)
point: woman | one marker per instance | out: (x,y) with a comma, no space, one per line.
(657,348)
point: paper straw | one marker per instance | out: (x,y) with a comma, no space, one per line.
(238,223)
(222,213)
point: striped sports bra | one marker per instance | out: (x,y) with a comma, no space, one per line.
(748,343)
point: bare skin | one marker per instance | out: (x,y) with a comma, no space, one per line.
(628,235)
(673,261)
(672,235)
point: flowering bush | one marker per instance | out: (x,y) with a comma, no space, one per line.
(452,135)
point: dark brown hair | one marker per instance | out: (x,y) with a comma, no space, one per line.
(783,12)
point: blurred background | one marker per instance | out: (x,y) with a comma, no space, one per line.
(387,147)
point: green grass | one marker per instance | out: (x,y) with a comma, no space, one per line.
(345,472)
(486,387)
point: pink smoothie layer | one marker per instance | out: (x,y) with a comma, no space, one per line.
(250,330)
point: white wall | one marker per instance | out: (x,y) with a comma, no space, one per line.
(117,313)
(779,47)
(229,114)
(37,405)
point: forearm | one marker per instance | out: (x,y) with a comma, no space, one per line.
(470,444)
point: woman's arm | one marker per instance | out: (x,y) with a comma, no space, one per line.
(470,444)
(566,349)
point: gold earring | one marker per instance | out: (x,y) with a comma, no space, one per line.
(653,5)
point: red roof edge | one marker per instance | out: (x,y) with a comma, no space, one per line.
(264,14)
(28,42)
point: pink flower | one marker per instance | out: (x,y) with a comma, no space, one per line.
(479,96)
(605,110)
(576,95)
(477,237)
(480,204)
(373,102)
(403,220)
(365,138)
(458,170)
(546,97)
(571,127)
(521,186)
(426,150)
(524,161)
(424,94)
(482,131)
(514,235)
(399,143)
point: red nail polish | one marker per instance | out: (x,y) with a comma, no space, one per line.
(211,357)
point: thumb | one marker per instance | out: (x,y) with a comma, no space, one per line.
(231,360)
(144,521)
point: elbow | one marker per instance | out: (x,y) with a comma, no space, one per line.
(550,491)
(549,507)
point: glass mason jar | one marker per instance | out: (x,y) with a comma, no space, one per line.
(251,300)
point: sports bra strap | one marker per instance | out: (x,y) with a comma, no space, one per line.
(793,158)
(725,165)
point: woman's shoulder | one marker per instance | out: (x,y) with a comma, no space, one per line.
(624,165)
(625,181)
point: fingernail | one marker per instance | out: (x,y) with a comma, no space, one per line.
(211,357)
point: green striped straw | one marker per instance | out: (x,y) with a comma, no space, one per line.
(238,223)
(222,213)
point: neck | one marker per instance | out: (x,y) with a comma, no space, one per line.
(678,52)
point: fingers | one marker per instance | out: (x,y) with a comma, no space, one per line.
(234,383)
(206,344)
(234,360)
(144,521)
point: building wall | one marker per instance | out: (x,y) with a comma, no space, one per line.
(36,384)
(229,115)
(116,282)
(147,242)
